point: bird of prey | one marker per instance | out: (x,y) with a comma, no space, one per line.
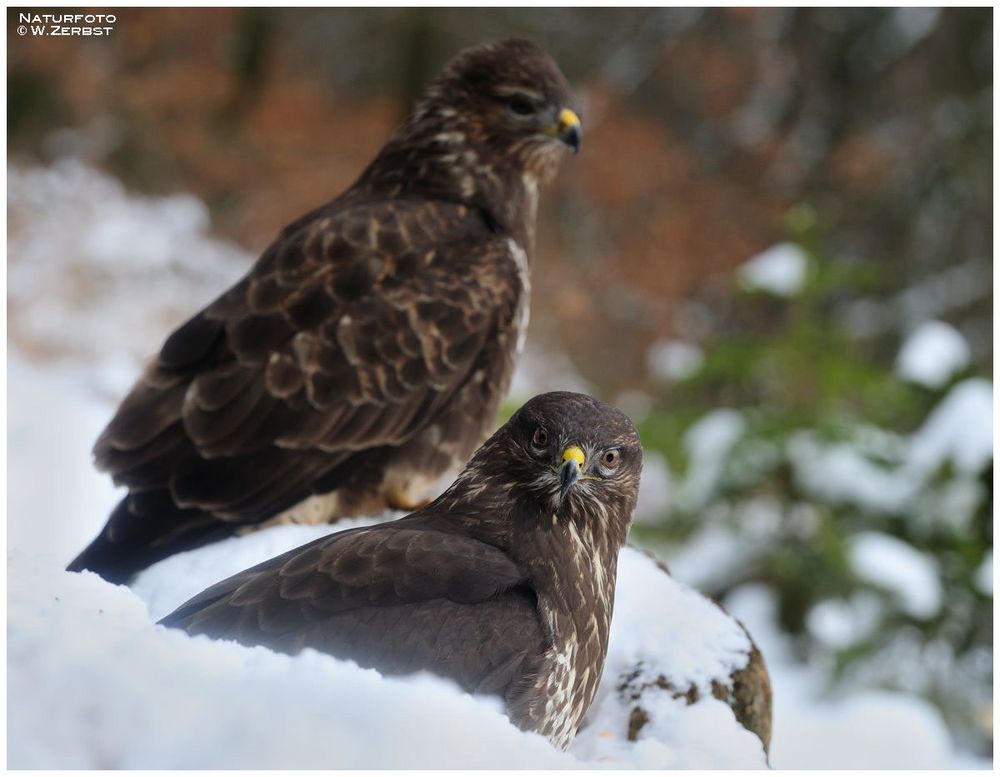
(505,583)
(366,352)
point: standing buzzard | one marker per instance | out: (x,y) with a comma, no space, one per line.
(367,351)
(505,583)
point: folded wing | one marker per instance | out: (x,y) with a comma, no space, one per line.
(394,597)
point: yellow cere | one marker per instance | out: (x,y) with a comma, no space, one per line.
(573,453)
(567,119)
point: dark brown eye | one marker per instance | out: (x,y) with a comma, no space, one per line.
(540,438)
(611,458)
(520,105)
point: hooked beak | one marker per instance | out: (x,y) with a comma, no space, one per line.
(572,467)
(568,129)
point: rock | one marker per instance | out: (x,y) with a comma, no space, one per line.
(749,695)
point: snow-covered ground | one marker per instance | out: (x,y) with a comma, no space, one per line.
(93,683)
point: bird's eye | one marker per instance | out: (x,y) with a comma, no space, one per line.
(611,458)
(540,438)
(520,105)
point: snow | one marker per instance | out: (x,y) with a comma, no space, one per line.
(887,731)
(841,624)
(940,294)
(862,730)
(80,245)
(949,290)
(655,488)
(708,441)
(637,405)
(932,353)
(174,580)
(713,556)
(47,426)
(957,432)
(984,575)
(913,24)
(653,620)
(93,683)
(678,736)
(538,371)
(780,270)
(840,473)
(674,360)
(890,563)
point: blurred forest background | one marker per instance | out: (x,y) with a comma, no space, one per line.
(818,419)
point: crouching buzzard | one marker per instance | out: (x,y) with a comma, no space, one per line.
(367,351)
(505,583)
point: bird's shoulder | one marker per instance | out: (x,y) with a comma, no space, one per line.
(360,245)
(426,264)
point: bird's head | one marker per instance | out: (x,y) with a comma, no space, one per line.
(562,458)
(510,99)
(571,450)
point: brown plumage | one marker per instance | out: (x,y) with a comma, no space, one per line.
(367,351)
(505,583)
